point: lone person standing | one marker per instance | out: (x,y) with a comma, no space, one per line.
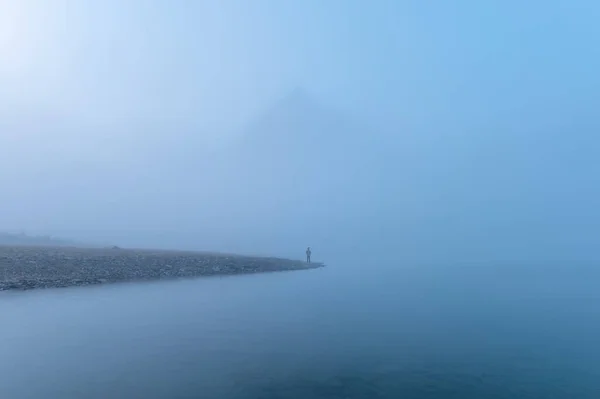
(308,252)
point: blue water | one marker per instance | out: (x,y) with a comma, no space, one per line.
(363,331)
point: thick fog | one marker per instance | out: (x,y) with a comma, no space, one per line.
(458,132)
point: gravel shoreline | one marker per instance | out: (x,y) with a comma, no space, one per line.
(24,268)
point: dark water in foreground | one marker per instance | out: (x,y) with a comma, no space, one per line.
(328,333)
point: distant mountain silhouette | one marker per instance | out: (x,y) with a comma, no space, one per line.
(298,125)
(295,119)
(300,166)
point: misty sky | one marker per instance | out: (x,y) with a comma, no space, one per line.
(496,101)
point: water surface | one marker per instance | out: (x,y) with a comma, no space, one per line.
(345,331)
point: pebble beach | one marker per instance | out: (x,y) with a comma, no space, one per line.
(25,268)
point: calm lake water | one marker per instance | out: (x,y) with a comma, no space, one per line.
(338,332)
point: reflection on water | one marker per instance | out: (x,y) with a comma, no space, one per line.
(328,333)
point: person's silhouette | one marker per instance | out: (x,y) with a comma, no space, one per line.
(308,253)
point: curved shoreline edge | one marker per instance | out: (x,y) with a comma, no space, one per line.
(26,268)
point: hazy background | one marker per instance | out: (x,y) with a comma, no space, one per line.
(440,132)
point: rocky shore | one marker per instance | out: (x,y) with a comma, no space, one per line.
(23,268)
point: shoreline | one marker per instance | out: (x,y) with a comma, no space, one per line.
(36,267)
